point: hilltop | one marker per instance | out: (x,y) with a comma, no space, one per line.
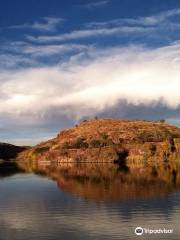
(107,140)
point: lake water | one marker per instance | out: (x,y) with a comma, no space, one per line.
(88,202)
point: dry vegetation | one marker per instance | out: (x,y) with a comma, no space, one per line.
(108,139)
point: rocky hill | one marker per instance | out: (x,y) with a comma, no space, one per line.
(108,140)
(9,151)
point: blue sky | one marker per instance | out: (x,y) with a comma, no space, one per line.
(62,61)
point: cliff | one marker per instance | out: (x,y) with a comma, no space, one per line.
(108,140)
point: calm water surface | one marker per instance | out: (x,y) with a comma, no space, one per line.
(83,204)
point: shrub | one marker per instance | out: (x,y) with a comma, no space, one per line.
(95,143)
(63,151)
(65,145)
(154,171)
(172,144)
(162,120)
(104,136)
(152,149)
(85,120)
(122,154)
(41,149)
(80,143)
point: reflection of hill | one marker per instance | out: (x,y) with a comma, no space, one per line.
(108,182)
(8,168)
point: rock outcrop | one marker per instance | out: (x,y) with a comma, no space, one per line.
(108,140)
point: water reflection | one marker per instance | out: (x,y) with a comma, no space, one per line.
(110,182)
(9,168)
(92,201)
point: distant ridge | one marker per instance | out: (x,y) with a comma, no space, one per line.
(9,151)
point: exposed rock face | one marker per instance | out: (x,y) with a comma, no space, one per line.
(9,151)
(108,140)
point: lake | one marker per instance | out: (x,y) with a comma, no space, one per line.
(88,201)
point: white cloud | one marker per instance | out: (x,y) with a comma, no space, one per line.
(12,61)
(151,20)
(85,33)
(23,54)
(83,87)
(96,4)
(48,24)
(48,50)
(153,25)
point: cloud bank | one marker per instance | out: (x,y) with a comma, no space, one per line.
(87,85)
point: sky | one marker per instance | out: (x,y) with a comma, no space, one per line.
(64,61)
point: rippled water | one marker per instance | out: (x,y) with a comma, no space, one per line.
(72,207)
